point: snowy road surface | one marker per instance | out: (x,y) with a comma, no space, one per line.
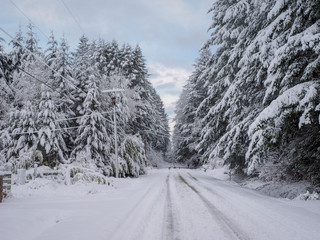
(166,204)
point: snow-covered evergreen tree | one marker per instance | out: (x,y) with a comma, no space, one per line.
(6,92)
(112,56)
(22,135)
(26,87)
(51,142)
(82,65)
(92,140)
(289,122)
(32,48)
(132,151)
(262,87)
(68,115)
(17,49)
(51,51)
(62,82)
(188,120)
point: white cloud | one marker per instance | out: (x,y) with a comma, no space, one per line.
(165,80)
(161,74)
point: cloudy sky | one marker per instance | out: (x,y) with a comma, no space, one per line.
(170,32)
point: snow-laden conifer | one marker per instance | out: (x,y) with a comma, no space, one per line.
(51,142)
(92,140)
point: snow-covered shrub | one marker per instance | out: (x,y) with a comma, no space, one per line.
(74,173)
(309,196)
(155,158)
(84,160)
(213,163)
(132,152)
(24,161)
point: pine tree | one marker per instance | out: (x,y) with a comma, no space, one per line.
(82,64)
(48,102)
(32,48)
(24,136)
(51,142)
(62,81)
(51,51)
(26,87)
(92,140)
(17,51)
(189,121)
(288,125)
(112,55)
(262,87)
(132,151)
(139,71)
(6,69)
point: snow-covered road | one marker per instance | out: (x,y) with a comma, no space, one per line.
(166,204)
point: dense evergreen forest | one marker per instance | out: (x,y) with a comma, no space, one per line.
(255,102)
(54,111)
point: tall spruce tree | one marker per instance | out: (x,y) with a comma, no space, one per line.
(92,144)
(188,123)
(262,83)
(51,142)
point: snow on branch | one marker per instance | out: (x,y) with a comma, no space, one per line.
(302,99)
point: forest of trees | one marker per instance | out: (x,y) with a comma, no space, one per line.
(254,103)
(54,111)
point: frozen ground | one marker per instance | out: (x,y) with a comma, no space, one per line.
(166,204)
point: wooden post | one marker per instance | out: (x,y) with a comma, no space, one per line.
(1,188)
(6,184)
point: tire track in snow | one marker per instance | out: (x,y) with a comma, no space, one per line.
(132,223)
(227,224)
(253,205)
(170,220)
(205,187)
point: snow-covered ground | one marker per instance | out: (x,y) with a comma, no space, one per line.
(165,204)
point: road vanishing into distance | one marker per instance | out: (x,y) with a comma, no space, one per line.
(165,204)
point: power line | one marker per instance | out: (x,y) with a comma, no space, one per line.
(73,118)
(76,21)
(58,129)
(37,79)
(40,60)
(30,75)
(19,9)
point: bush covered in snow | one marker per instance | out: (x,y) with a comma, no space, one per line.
(74,174)
(133,155)
(309,196)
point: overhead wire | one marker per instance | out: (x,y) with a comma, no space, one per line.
(20,10)
(71,14)
(39,59)
(33,132)
(37,79)
(34,77)
(73,118)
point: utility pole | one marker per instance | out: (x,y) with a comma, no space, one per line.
(115,125)
(115,135)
